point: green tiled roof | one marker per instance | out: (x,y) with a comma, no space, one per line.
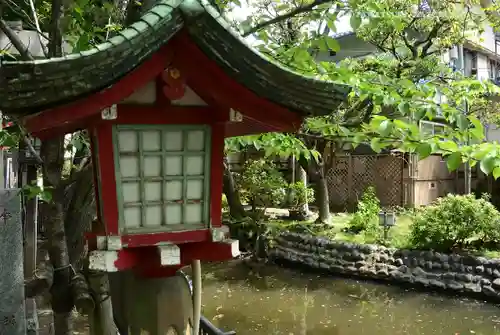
(28,87)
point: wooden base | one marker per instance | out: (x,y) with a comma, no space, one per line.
(157,306)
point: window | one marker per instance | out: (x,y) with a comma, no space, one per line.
(491,69)
(162,176)
(431,129)
(470,63)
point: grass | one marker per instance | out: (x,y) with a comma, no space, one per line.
(397,237)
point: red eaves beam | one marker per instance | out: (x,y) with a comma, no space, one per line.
(74,115)
(206,78)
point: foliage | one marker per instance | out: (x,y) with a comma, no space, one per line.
(92,22)
(225,204)
(246,231)
(272,144)
(261,184)
(299,195)
(85,22)
(365,219)
(34,190)
(455,221)
(405,82)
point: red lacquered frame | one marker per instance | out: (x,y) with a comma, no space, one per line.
(129,115)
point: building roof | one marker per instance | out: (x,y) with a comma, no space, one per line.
(343,34)
(29,87)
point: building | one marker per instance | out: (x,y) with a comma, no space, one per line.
(480,56)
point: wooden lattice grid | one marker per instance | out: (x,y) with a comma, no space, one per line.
(337,180)
(351,175)
(389,181)
(363,175)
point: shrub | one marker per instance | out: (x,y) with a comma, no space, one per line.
(299,195)
(455,221)
(366,216)
(261,184)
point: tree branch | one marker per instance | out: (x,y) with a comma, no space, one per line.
(86,166)
(37,25)
(286,16)
(16,41)
(55,42)
(429,41)
(32,150)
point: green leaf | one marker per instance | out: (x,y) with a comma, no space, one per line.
(453,161)
(331,24)
(263,36)
(404,108)
(355,21)
(462,122)
(488,164)
(257,145)
(316,155)
(385,128)
(478,130)
(476,133)
(424,150)
(301,55)
(419,114)
(496,172)
(401,124)
(476,122)
(332,43)
(448,146)
(376,145)
(46,196)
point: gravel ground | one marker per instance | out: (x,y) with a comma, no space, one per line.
(80,324)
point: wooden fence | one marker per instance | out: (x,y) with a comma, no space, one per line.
(350,175)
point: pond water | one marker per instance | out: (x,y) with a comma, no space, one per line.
(272,300)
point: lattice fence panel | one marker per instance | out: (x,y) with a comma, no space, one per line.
(337,179)
(363,176)
(350,176)
(388,180)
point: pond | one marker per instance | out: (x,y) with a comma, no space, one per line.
(272,300)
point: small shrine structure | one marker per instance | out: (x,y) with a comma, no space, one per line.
(158,99)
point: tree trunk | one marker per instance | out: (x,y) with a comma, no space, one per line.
(52,154)
(102,320)
(317,175)
(80,212)
(56,33)
(232,195)
(302,177)
(322,196)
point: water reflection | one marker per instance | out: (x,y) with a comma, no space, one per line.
(276,301)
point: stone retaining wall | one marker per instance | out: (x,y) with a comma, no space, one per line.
(462,274)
